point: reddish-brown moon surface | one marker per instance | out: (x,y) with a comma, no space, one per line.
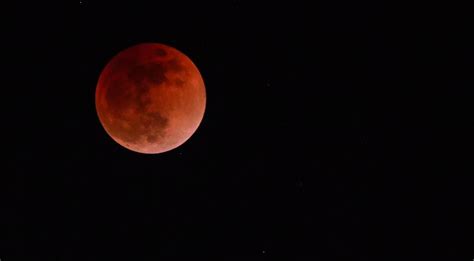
(150,98)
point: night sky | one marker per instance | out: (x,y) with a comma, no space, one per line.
(332,130)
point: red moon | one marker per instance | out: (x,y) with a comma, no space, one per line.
(150,98)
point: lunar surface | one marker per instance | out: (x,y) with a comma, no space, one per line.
(150,98)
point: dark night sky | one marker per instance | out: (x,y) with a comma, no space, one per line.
(333,130)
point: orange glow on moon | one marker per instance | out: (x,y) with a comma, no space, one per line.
(150,98)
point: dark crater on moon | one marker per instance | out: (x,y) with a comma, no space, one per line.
(153,73)
(160,52)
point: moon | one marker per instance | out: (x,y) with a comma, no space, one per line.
(150,98)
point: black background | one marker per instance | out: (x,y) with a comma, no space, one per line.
(332,130)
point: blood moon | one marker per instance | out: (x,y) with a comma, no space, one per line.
(150,98)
